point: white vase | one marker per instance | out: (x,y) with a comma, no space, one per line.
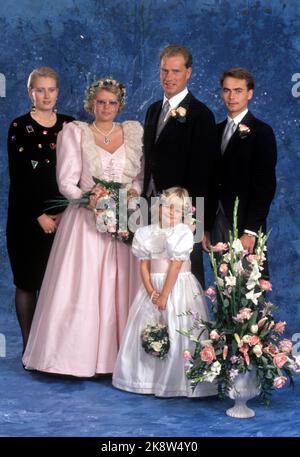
(244,388)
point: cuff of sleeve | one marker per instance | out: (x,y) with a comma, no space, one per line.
(249,232)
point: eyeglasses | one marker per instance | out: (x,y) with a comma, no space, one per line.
(111,103)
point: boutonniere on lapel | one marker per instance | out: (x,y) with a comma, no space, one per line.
(179,114)
(243,131)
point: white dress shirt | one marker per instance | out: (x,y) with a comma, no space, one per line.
(176,100)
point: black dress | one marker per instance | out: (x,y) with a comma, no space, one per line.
(32,170)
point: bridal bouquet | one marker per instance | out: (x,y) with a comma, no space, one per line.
(108,200)
(155,340)
(244,334)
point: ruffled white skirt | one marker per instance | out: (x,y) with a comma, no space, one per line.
(139,372)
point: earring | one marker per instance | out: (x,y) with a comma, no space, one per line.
(32,107)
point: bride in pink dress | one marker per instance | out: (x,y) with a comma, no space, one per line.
(91,279)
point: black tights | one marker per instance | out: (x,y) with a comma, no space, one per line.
(25,307)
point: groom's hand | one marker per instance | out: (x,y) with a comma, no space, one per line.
(248,242)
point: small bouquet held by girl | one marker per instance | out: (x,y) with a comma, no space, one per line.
(150,356)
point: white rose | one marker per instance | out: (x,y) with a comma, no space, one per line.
(245,339)
(214,335)
(254,328)
(257,350)
(216,367)
(181,111)
(156,346)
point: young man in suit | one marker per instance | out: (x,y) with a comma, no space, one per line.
(180,144)
(247,163)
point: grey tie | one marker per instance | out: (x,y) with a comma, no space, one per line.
(162,119)
(228,132)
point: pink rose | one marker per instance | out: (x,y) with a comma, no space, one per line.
(265,285)
(208,354)
(280,327)
(210,293)
(271,349)
(244,313)
(286,345)
(279,382)
(253,340)
(244,348)
(279,360)
(187,355)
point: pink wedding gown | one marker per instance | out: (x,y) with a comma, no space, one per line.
(91,279)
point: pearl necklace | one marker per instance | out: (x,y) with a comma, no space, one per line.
(50,122)
(106,140)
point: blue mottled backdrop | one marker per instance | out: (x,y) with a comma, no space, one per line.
(87,39)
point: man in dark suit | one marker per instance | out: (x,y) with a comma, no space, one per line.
(247,163)
(180,144)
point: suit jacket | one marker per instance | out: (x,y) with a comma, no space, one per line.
(247,170)
(185,153)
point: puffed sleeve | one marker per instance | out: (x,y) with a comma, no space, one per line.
(139,248)
(180,243)
(69,163)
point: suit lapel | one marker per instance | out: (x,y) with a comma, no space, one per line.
(171,122)
(154,120)
(247,120)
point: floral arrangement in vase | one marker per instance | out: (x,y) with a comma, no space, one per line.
(243,335)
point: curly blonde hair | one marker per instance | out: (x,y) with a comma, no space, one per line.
(110,85)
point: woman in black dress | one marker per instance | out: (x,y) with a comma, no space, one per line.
(32,170)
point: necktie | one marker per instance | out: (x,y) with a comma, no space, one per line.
(162,118)
(228,132)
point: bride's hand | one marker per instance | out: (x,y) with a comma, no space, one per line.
(132,193)
(97,192)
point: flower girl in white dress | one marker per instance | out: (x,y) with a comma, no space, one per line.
(169,288)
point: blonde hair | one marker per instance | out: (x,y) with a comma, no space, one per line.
(108,84)
(175,196)
(42,72)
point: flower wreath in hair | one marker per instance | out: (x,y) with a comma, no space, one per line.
(108,82)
